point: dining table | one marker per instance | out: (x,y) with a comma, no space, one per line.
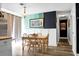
(43,40)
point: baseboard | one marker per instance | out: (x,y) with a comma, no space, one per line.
(77,54)
(63,38)
(52,45)
(74,52)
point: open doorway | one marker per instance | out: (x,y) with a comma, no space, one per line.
(63,32)
(63,28)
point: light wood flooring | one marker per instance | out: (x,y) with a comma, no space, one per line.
(52,51)
(63,49)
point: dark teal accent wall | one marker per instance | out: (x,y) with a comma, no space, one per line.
(33,16)
(50,19)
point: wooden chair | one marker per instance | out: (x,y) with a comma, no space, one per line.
(33,44)
(44,44)
(25,42)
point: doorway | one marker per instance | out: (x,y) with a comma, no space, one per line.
(63,28)
(63,33)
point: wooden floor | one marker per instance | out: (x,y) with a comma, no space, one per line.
(62,49)
(63,42)
(52,51)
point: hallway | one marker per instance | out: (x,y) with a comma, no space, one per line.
(63,43)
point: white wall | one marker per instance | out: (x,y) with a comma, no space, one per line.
(52,37)
(73,28)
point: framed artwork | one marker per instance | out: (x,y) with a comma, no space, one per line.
(63,26)
(36,23)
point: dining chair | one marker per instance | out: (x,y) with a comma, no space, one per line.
(33,44)
(44,43)
(25,43)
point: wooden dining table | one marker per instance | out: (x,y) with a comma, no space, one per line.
(43,40)
(34,37)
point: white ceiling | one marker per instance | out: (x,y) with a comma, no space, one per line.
(37,7)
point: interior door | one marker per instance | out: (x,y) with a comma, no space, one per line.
(63,28)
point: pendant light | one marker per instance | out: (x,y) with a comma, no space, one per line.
(24,8)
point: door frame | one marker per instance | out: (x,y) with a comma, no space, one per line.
(68,17)
(67,28)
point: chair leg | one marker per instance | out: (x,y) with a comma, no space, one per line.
(23,51)
(46,47)
(29,49)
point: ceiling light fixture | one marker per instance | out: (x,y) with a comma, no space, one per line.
(24,8)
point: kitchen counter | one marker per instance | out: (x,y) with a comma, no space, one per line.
(4,37)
